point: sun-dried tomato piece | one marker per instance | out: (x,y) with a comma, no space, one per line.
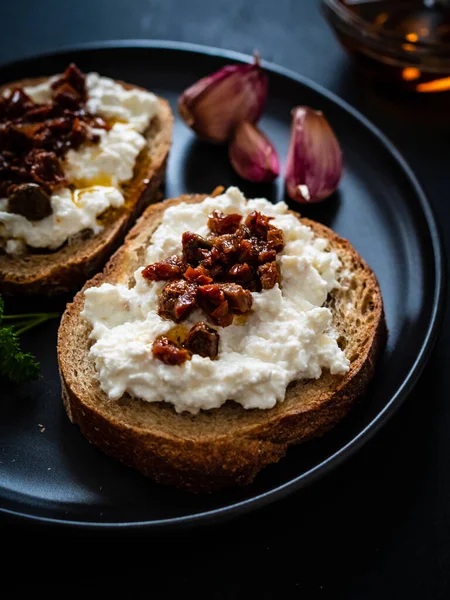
(30,201)
(211,300)
(195,247)
(170,268)
(216,271)
(248,251)
(220,223)
(269,275)
(254,285)
(29,131)
(220,300)
(78,134)
(52,134)
(77,79)
(275,239)
(266,255)
(241,273)
(258,224)
(43,138)
(169,352)
(47,170)
(212,263)
(222,315)
(68,97)
(177,300)
(203,340)
(197,275)
(42,112)
(210,295)
(14,139)
(239,300)
(243,232)
(15,105)
(73,78)
(227,246)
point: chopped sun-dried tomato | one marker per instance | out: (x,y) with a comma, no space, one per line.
(169,352)
(30,201)
(15,105)
(170,268)
(258,224)
(210,295)
(203,340)
(220,223)
(227,246)
(67,97)
(269,275)
(42,112)
(219,272)
(275,239)
(241,273)
(266,255)
(195,247)
(47,170)
(228,297)
(222,315)
(248,251)
(177,300)
(31,132)
(239,300)
(72,83)
(211,300)
(197,275)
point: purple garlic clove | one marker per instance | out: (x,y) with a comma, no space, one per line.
(253,155)
(214,105)
(314,160)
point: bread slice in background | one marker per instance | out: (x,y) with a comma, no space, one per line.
(49,272)
(227,446)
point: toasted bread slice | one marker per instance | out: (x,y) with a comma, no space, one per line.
(56,272)
(227,446)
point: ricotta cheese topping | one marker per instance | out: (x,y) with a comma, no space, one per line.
(286,337)
(97,170)
(72,212)
(111,161)
(112,101)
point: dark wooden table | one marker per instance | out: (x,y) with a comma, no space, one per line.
(379,527)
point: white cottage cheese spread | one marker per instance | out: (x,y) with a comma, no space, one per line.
(286,337)
(96,170)
(112,160)
(72,212)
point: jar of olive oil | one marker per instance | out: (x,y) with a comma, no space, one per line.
(404,42)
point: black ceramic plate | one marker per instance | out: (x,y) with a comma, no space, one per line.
(54,474)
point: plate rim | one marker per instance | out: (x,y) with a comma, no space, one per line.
(396,400)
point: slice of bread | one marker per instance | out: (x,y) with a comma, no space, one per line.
(227,446)
(56,272)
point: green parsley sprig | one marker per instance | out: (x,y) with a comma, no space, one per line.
(15,365)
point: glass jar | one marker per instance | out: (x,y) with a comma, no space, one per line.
(406,42)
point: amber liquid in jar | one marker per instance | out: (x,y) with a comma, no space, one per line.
(416,28)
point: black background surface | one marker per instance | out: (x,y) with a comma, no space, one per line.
(379,527)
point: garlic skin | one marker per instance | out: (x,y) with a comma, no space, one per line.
(253,155)
(314,160)
(214,105)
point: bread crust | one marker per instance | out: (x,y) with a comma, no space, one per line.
(67,268)
(227,446)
